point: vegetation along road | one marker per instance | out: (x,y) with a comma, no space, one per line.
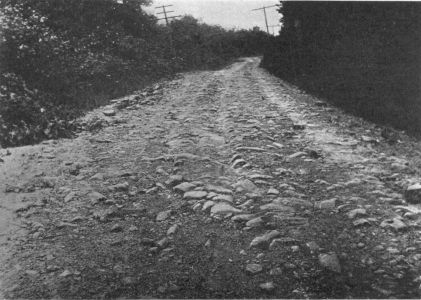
(218,184)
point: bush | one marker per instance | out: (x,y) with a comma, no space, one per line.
(59,58)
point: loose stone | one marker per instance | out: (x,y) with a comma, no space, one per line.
(109,112)
(273,191)
(264,240)
(173,180)
(313,246)
(361,222)
(226,198)
(296,155)
(246,185)
(218,189)
(224,208)
(197,206)
(356,212)
(238,163)
(283,241)
(413,194)
(163,215)
(242,218)
(95,197)
(256,222)
(116,228)
(254,268)
(255,149)
(267,286)
(327,204)
(98,176)
(277,207)
(276,272)
(195,195)
(277,145)
(121,187)
(260,176)
(173,229)
(65,273)
(207,205)
(184,187)
(163,243)
(395,223)
(330,261)
(70,197)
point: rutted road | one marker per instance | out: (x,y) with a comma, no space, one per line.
(228,184)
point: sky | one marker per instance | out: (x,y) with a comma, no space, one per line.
(226,13)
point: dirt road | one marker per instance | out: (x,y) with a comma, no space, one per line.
(218,184)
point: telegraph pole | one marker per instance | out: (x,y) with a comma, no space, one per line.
(264,12)
(165,13)
(167,22)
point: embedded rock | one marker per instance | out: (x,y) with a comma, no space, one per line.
(163,215)
(413,194)
(184,187)
(224,208)
(256,222)
(254,268)
(195,195)
(95,197)
(218,189)
(226,198)
(330,261)
(174,180)
(264,240)
(356,212)
(395,223)
(109,112)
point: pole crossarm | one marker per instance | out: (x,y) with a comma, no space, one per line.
(167,19)
(163,6)
(165,13)
(264,7)
(264,12)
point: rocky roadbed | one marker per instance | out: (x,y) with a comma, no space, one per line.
(221,184)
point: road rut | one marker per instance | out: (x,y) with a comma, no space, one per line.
(217,184)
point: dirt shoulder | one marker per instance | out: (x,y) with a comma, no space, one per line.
(221,184)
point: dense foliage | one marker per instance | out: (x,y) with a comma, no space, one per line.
(59,58)
(363,56)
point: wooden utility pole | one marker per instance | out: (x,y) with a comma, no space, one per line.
(167,22)
(165,13)
(264,12)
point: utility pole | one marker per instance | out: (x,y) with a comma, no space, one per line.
(165,13)
(167,22)
(264,12)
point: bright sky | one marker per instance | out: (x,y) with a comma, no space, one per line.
(226,13)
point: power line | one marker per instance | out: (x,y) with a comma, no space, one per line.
(165,13)
(264,12)
(167,18)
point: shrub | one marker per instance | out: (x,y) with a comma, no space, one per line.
(59,58)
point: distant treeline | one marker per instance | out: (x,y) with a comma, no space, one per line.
(59,58)
(362,56)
